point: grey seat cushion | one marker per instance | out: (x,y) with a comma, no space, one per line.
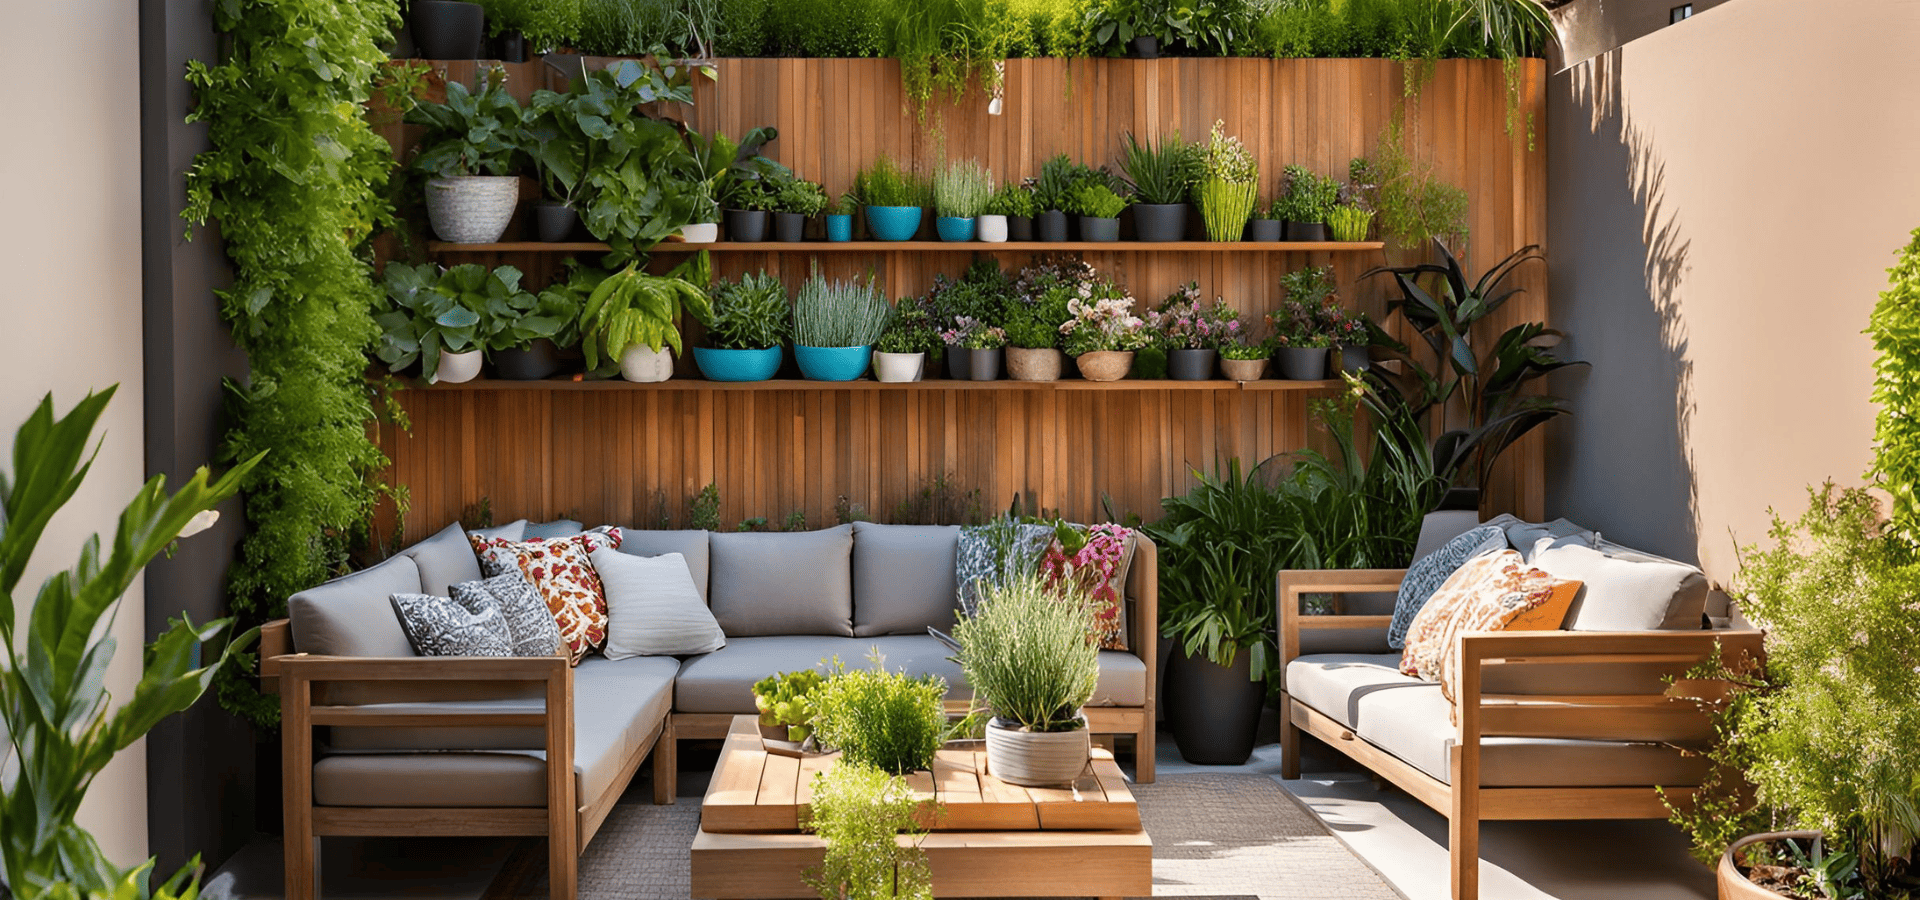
(446,559)
(1410,719)
(903,578)
(782,584)
(352,615)
(616,704)
(722,681)
(692,545)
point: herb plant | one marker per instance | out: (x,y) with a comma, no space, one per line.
(1012,200)
(1411,205)
(838,313)
(884,183)
(1059,177)
(860,812)
(787,699)
(1028,654)
(1183,323)
(807,198)
(1309,198)
(1229,184)
(1244,347)
(1161,172)
(749,314)
(911,328)
(962,189)
(1349,222)
(888,720)
(1097,201)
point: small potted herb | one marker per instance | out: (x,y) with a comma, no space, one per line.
(1161,173)
(470,149)
(835,325)
(746,322)
(981,294)
(1228,187)
(1099,209)
(1192,333)
(840,218)
(1102,333)
(785,702)
(893,198)
(1243,359)
(1268,222)
(1309,201)
(1350,332)
(749,203)
(983,344)
(1052,194)
(795,202)
(901,354)
(1014,204)
(1300,334)
(960,195)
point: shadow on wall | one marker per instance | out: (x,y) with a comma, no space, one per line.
(1620,463)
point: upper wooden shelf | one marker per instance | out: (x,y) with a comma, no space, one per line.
(934,384)
(927,247)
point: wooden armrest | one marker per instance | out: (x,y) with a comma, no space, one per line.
(1340,581)
(1292,584)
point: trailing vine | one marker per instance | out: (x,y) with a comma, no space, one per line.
(295,179)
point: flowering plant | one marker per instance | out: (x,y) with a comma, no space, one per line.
(1085,564)
(1182,323)
(1226,159)
(1102,320)
(973,334)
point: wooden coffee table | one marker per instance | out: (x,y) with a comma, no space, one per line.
(989,838)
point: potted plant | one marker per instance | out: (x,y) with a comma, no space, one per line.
(1309,201)
(1138,28)
(1349,222)
(960,195)
(1099,209)
(1052,194)
(632,318)
(709,163)
(1269,221)
(1037,310)
(785,702)
(840,218)
(1244,359)
(835,325)
(982,343)
(1102,333)
(423,320)
(447,29)
(1352,333)
(1229,184)
(522,330)
(559,150)
(747,321)
(470,148)
(634,193)
(1300,328)
(796,202)
(1192,333)
(981,295)
(1029,655)
(751,190)
(1161,174)
(886,720)
(544,339)
(893,198)
(901,354)
(1015,202)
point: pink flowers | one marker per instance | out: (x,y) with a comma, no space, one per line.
(1092,571)
(1182,323)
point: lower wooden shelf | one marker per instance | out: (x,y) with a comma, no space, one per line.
(936,384)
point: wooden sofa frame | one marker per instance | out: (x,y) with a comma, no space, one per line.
(1635,717)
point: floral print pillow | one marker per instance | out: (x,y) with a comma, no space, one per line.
(1098,570)
(561,569)
(1491,592)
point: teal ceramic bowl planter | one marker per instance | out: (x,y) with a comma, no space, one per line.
(954,229)
(737,365)
(832,363)
(893,223)
(839,228)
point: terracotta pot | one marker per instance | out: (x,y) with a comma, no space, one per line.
(1034,365)
(1037,758)
(1104,365)
(1735,886)
(1243,369)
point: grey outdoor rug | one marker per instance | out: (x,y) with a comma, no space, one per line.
(1230,837)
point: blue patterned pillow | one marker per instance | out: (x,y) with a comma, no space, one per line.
(978,558)
(1429,572)
(437,626)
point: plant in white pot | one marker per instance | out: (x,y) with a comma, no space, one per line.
(472,144)
(901,354)
(632,318)
(1031,658)
(432,316)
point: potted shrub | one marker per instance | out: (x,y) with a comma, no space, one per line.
(471,145)
(884,720)
(634,194)
(1228,186)
(982,343)
(424,320)
(1352,334)
(1029,655)
(1099,209)
(1102,333)
(840,218)
(1015,202)
(751,191)
(747,321)
(1349,222)
(1192,333)
(1268,222)
(1161,174)
(525,330)
(632,319)
(785,702)
(1308,203)
(835,325)
(1301,334)
(447,29)
(1052,194)
(1243,359)
(960,195)
(893,198)
(901,354)
(796,202)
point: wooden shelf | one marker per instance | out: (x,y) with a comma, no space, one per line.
(937,384)
(930,247)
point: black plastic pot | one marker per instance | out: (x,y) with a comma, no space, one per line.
(1355,358)
(1263,230)
(1306,231)
(1144,47)
(538,360)
(984,364)
(1051,226)
(1097,229)
(746,225)
(448,29)
(1159,222)
(959,364)
(1190,365)
(1019,228)
(1213,710)
(554,222)
(789,227)
(510,46)
(1301,363)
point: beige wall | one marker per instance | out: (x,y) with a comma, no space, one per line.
(1726,197)
(71,242)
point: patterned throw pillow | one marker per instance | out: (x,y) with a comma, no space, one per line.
(561,569)
(529,622)
(437,626)
(992,554)
(1098,568)
(1492,592)
(1429,572)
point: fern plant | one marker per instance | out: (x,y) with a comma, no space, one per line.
(633,308)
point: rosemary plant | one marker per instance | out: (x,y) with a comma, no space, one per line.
(839,313)
(1028,655)
(963,189)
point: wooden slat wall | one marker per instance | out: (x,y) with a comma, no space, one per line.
(600,456)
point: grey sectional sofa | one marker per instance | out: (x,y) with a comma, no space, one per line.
(378,740)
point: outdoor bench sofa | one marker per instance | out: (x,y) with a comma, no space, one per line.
(1569,724)
(380,741)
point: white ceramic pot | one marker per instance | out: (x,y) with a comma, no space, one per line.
(896,368)
(472,209)
(1037,758)
(645,364)
(700,232)
(457,367)
(992,229)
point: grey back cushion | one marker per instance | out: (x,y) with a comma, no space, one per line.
(353,615)
(691,545)
(553,529)
(1623,589)
(1441,526)
(512,531)
(903,580)
(1429,572)
(446,559)
(794,583)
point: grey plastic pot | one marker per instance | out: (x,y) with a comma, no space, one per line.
(746,225)
(1051,226)
(1159,222)
(1301,363)
(1263,229)
(1213,710)
(984,365)
(531,363)
(1306,231)
(1354,358)
(959,364)
(789,227)
(1190,365)
(553,222)
(1020,228)
(447,29)
(1093,228)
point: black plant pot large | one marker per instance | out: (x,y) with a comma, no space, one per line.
(1095,228)
(1051,226)
(1019,228)
(1461,498)
(1144,47)
(1159,222)
(1306,231)
(1212,710)
(959,363)
(539,360)
(554,222)
(448,29)
(1263,230)
(789,227)
(746,225)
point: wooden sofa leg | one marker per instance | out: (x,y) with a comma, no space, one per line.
(1289,740)
(1143,750)
(1463,825)
(302,857)
(563,868)
(666,766)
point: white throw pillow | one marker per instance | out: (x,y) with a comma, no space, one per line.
(653,609)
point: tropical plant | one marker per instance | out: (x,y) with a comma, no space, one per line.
(838,313)
(1229,184)
(1183,323)
(1895,328)
(713,161)
(948,45)
(787,699)
(1012,200)
(1113,24)
(1220,544)
(430,311)
(1027,653)
(62,729)
(807,198)
(1360,506)
(471,133)
(962,189)
(1097,201)
(632,307)
(1349,222)
(1161,172)
(749,314)
(888,720)
(884,183)
(860,812)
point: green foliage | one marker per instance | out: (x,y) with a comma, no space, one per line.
(888,720)
(1027,653)
(1357,509)
(1161,172)
(625,27)
(714,163)
(884,183)
(471,134)
(962,189)
(945,45)
(1244,347)
(911,328)
(546,24)
(564,299)
(1061,179)
(787,699)
(860,812)
(627,191)
(839,313)
(632,307)
(1219,547)
(1412,206)
(807,198)
(749,314)
(1097,201)
(296,179)
(1309,198)
(1895,328)
(703,509)
(1349,223)
(61,728)
(467,307)
(1012,200)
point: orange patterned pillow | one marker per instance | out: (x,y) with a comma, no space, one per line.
(561,569)
(1491,592)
